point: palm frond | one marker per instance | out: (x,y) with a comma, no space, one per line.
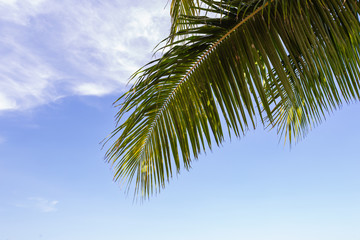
(180,8)
(287,63)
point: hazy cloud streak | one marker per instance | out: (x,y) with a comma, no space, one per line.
(44,205)
(53,49)
(39,204)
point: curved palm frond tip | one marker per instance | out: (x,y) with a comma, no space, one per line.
(287,63)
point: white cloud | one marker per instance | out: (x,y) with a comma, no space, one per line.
(44,205)
(38,204)
(52,49)
(26,79)
(111,41)
(92,89)
(2,139)
(6,103)
(20,11)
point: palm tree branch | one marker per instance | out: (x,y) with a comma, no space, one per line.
(296,66)
(199,61)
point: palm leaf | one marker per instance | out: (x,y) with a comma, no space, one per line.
(180,8)
(286,63)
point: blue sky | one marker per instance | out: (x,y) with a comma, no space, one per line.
(62,66)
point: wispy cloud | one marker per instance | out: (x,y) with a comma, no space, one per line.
(20,11)
(38,204)
(26,79)
(2,139)
(53,49)
(44,205)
